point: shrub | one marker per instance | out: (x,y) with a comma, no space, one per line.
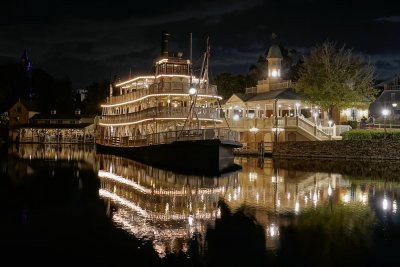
(369,135)
(353,124)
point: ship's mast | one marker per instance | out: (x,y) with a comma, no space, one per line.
(193,91)
(204,67)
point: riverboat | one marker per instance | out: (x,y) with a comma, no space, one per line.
(168,119)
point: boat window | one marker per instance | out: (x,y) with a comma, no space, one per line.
(170,68)
(161,68)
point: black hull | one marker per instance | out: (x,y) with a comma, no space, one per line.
(208,157)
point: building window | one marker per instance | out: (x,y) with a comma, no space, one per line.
(251,114)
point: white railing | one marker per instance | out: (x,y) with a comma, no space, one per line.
(251,90)
(342,128)
(172,136)
(320,133)
(162,112)
(161,88)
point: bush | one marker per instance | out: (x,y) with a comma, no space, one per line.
(370,134)
(353,124)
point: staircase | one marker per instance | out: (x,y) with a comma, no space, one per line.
(301,125)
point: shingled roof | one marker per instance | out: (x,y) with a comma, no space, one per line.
(287,93)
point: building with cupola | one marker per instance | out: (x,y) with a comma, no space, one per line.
(272,111)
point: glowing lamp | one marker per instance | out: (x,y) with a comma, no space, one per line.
(192,91)
(385,112)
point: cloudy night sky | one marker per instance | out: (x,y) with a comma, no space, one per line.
(91,40)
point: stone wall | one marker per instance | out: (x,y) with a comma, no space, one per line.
(345,149)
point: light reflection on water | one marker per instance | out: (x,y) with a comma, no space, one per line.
(164,206)
(299,209)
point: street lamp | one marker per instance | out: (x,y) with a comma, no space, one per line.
(297,108)
(315,117)
(276,130)
(394,105)
(385,112)
(254,130)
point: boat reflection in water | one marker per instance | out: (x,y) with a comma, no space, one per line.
(170,208)
(292,211)
(167,207)
(158,204)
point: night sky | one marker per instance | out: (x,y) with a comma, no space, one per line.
(92,41)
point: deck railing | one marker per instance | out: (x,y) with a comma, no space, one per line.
(161,88)
(161,112)
(222,134)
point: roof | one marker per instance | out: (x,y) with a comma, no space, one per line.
(223,101)
(54,126)
(286,93)
(392,80)
(274,52)
(389,96)
(27,104)
(245,97)
(60,117)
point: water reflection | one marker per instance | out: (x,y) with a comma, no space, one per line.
(166,207)
(54,152)
(269,212)
(159,204)
(52,211)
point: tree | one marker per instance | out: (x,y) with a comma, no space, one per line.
(258,71)
(228,84)
(48,92)
(336,77)
(96,95)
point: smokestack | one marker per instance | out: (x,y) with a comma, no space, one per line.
(164,44)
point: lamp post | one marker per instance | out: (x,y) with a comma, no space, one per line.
(297,109)
(254,130)
(315,117)
(385,112)
(276,130)
(394,105)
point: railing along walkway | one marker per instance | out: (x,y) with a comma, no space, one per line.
(285,123)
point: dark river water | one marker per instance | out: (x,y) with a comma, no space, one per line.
(68,205)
